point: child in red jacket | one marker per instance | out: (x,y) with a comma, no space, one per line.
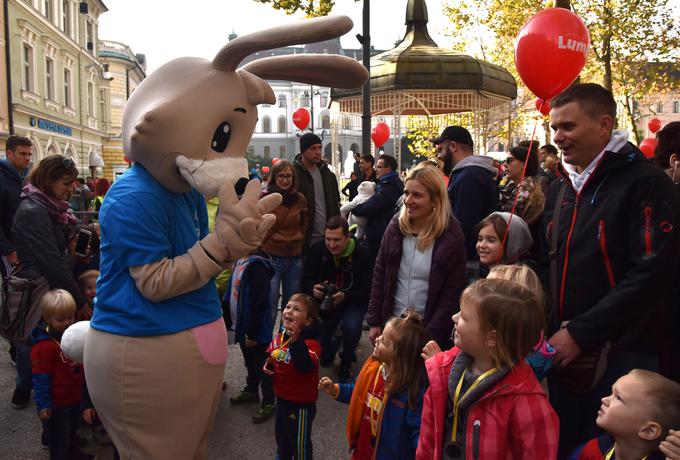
(484,401)
(57,380)
(294,364)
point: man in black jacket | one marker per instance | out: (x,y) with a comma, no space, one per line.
(341,262)
(319,186)
(612,261)
(379,209)
(12,173)
(472,184)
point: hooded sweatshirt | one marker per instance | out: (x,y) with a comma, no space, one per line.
(519,237)
(473,196)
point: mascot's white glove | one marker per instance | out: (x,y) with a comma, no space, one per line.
(241,225)
(73,340)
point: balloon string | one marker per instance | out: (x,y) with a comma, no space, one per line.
(514,204)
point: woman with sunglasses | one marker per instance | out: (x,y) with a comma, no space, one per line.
(44,228)
(286,237)
(531,199)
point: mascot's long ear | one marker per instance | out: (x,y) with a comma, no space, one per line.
(318,69)
(296,33)
(258,90)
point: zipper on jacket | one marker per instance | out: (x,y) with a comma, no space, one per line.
(566,254)
(605,255)
(476,427)
(648,231)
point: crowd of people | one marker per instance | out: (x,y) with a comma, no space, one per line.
(522,310)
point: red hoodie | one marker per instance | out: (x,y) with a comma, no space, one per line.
(512,420)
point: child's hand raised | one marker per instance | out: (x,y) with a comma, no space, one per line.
(430,349)
(45,414)
(329,387)
(670,447)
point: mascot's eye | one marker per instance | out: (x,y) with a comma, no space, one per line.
(221,137)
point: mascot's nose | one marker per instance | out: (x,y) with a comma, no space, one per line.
(240,186)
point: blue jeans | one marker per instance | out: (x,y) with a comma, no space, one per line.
(351,317)
(61,428)
(287,271)
(24,379)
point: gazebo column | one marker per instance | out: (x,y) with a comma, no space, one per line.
(396,136)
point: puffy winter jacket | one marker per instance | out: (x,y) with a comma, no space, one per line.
(446,282)
(616,252)
(512,420)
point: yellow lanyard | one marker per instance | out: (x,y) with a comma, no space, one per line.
(278,353)
(610,453)
(457,398)
(374,423)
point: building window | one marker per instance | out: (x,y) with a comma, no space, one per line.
(90,99)
(676,106)
(267,152)
(102,105)
(266,125)
(251,150)
(282,101)
(282,124)
(66,16)
(325,122)
(28,68)
(282,151)
(67,87)
(48,9)
(323,99)
(49,79)
(347,122)
(89,36)
(659,107)
(304,99)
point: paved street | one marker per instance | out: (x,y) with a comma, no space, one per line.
(233,436)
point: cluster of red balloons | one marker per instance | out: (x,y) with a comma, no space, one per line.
(551,49)
(647,146)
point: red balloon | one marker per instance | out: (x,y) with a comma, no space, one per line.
(551,49)
(648,146)
(654,125)
(265,169)
(543,106)
(301,118)
(380,134)
(275,160)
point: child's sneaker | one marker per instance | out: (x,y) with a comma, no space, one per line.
(244,397)
(264,413)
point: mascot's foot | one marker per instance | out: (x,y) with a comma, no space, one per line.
(73,340)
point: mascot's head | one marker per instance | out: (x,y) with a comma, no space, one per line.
(190,122)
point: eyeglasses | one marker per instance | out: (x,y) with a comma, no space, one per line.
(284,176)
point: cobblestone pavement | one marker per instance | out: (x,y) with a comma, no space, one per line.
(233,436)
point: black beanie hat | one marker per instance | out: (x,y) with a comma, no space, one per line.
(307,140)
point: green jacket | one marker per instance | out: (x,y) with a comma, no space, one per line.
(305,185)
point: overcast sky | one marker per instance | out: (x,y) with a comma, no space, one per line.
(167,29)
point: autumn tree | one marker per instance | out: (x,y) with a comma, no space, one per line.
(625,36)
(312,8)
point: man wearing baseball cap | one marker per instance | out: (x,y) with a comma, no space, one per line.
(472,183)
(319,186)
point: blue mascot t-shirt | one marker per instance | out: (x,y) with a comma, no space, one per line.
(142,222)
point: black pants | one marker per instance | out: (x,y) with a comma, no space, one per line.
(294,430)
(577,412)
(351,317)
(61,431)
(254,358)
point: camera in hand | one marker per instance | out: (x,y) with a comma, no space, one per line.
(329,290)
